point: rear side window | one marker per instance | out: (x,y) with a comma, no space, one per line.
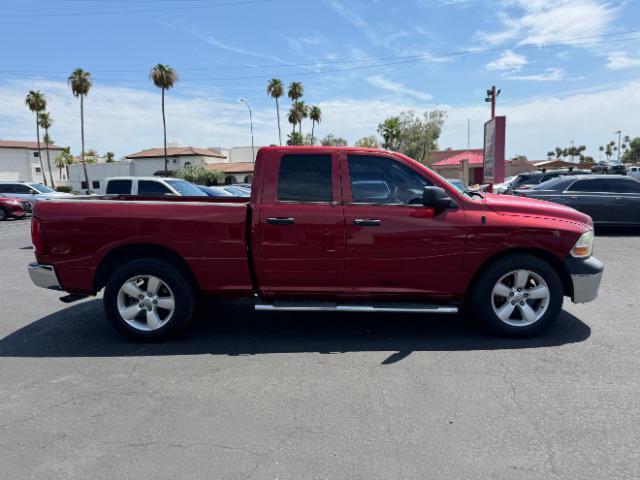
(589,185)
(305,178)
(618,185)
(119,187)
(151,188)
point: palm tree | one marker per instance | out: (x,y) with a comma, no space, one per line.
(37,102)
(63,160)
(294,117)
(275,88)
(315,114)
(303,112)
(164,77)
(295,93)
(80,82)
(45,121)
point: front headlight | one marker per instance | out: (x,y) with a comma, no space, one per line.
(584,246)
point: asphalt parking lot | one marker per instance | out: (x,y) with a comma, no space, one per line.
(244,395)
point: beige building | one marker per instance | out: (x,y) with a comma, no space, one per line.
(148,162)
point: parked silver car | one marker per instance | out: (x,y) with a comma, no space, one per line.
(29,191)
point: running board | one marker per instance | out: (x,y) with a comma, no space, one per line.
(292,306)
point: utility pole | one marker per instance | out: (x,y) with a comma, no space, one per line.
(619,133)
(572,150)
(492,96)
(468,134)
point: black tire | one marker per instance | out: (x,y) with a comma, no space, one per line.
(481,299)
(3,215)
(181,290)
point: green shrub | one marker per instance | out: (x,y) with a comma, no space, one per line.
(64,189)
(199,175)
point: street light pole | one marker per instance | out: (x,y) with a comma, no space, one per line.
(619,132)
(253,149)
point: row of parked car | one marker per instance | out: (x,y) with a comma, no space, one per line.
(17,198)
(608,199)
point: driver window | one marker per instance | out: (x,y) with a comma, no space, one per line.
(384,181)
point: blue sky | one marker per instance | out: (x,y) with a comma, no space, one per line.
(568,69)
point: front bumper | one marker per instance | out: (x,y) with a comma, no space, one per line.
(44,276)
(586,275)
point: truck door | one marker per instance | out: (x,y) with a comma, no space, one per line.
(394,244)
(300,235)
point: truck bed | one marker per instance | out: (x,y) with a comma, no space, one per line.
(208,233)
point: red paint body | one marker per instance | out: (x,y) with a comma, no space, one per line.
(12,207)
(416,253)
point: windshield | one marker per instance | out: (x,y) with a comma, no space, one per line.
(186,189)
(41,188)
(551,184)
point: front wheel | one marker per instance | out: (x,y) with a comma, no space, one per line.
(517,296)
(3,214)
(148,299)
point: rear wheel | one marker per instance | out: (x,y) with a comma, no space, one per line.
(3,214)
(517,296)
(148,299)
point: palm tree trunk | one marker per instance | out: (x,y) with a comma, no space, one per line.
(44,175)
(46,146)
(66,169)
(313,127)
(60,173)
(84,164)
(164,129)
(279,131)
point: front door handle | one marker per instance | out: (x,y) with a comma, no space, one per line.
(575,198)
(367,222)
(619,199)
(281,220)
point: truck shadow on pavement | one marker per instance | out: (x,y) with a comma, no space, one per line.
(234,328)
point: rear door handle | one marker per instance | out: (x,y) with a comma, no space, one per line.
(281,220)
(619,199)
(575,198)
(367,222)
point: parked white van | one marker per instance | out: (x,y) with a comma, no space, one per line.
(150,187)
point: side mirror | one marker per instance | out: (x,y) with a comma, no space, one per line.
(435,197)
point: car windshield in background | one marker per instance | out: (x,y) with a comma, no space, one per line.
(186,189)
(529,180)
(238,191)
(41,188)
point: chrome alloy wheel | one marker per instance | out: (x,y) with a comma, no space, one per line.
(145,302)
(520,298)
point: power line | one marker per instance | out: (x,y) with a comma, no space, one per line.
(137,10)
(381,61)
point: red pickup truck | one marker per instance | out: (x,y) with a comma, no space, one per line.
(325,229)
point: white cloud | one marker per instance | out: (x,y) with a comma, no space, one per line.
(398,88)
(509,60)
(549,75)
(125,120)
(621,61)
(552,21)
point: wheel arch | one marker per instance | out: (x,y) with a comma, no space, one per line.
(552,260)
(138,251)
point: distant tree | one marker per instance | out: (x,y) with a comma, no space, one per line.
(295,138)
(63,160)
(91,156)
(80,82)
(164,77)
(302,112)
(315,115)
(331,140)
(45,121)
(109,156)
(390,132)
(632,155)
(550,154)
(368,142)
(275,88)
(199,175)
(588,159)
(36,102)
